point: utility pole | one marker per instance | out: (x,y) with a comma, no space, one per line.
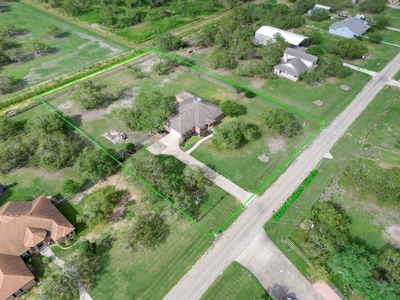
(311,226)
(361,62)
(197,209)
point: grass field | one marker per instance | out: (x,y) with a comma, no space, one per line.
(279,230)
(235,283)
(79,48)
(191,142)
(158,24)
(301,95)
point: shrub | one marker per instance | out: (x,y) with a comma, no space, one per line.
(315,50)
(249,94)
(375,38)
(130,147)
(70,186)
(46,260)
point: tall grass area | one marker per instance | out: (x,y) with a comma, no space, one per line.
(77,49)
(235,283)
(279,230)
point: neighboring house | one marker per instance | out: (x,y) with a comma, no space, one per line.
(26,228)
(192,115)
(350,28)
(266,33)
(294,63)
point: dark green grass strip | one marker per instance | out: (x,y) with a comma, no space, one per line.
(323,123)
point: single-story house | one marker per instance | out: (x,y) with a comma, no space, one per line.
(294,63)
(349,28)
(266,33)
(193,115)
(26,228)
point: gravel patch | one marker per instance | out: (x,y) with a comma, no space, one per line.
(344,87)
(276,144)
(318,102)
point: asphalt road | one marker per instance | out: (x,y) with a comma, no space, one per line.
(242,232)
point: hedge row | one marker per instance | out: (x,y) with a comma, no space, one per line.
(31,92)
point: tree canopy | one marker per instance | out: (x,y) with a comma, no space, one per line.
(282,121)
(90,95)
(168,42)
(373,6)
(231,108)
(234,134)
(349,48)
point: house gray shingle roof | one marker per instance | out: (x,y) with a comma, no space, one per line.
(300,54)
(193,112)
(355,25)
(293,66)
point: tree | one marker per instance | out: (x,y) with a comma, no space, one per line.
(389,261)
(319,14)
(332,65)
(375,38)
(373,6)
(244,49)
(56,150)
(301,6)
(145,231)
(8,29)
(99,205)
(63,283)
(74,7)
(54,31)
(233,134)
(14,54)
(315,50)
(221,58)
(206,37)
(135,72)
(167,42)
(349,48)
(12,155)
(90,95)
(46,124)
(314,36)
(160,68)
(38,47)
(7,82)
(331,229)
(232,109)
(8,127)
(93,164)
(271,54)
(282,121)
(355,266)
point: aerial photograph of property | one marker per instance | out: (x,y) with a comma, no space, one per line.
(200,149)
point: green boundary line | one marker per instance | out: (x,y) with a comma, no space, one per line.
(323,123)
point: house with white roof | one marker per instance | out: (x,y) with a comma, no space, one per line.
(266,33)
(294,63)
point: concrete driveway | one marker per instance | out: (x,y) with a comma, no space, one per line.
(170,145)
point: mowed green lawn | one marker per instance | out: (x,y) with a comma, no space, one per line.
(242,166)
(79,48)
(298,94)
(388,130)
(235,283)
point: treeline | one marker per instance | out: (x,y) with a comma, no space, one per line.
(119,14)
(46,141)
(372,276)
(371,179)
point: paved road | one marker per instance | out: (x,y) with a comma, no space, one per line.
(260,257)
(170,145)
(245,229)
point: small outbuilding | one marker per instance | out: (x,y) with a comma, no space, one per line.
(266,33)
(349,28)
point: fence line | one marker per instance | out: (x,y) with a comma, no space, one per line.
(71,196)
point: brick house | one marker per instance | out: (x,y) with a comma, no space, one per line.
(193,115)
(27,228)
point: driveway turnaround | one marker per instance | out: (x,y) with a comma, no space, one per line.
(274,271)
(170,145)
(244,230)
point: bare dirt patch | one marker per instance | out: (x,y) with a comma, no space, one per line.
(120,183)
(257,83)
(389,129)
(263,158)
(318,102)
(394,232)
(276,144)
(344,87)
(66,105)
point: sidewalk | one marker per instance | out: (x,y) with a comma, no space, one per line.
(372,73)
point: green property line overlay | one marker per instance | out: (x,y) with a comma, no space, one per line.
(323,123)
